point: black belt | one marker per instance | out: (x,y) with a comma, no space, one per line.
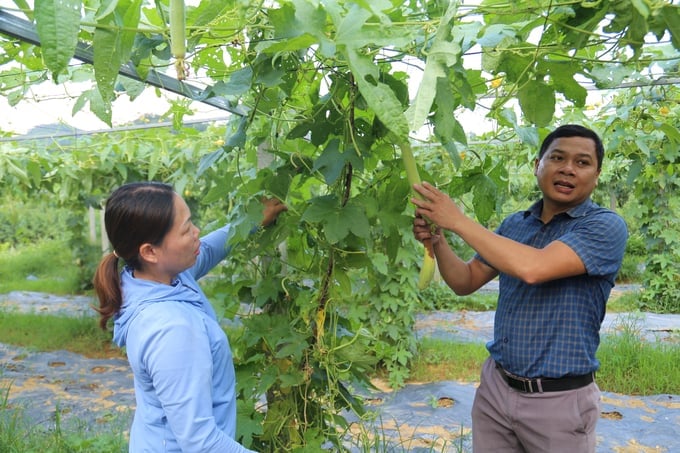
(540,385)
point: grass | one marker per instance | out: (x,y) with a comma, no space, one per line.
(441,360)
(627,302)
(631,365)
(375,438)
(53,333)
(39,267)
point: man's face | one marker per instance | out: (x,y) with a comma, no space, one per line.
(567,173)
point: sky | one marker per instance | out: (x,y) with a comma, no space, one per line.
(49,104)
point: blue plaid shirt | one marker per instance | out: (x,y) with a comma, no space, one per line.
(552,329)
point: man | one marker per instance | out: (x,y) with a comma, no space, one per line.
(556,262)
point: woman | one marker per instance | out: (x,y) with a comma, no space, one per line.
(183,371)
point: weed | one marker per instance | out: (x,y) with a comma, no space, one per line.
(51,333)
(632,365)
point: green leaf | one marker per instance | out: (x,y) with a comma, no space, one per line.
(641,7)
(112,44)
(238,84)
(538,102)
(296,29)
(671,132)
(332,161)
(492,58)
(352,34)
(292,346)
(310,18)
(440,56)
(447,129)
(58,24)
(359,224)
(378,95)
(671,15)
(494,34)
(235,136)
(337,221)
(320,208)
(484,196)
(246,426)
(562,76)
(582,19)
(288,45)
(34,172)
(269,71)
(528,135)
(131,15)
(608,76)
(514,64)
(98,106)
(208,161)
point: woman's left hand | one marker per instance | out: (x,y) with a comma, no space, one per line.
(272,208)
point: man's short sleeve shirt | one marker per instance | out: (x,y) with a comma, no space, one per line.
(552,329)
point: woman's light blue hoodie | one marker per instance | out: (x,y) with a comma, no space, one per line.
(183,371)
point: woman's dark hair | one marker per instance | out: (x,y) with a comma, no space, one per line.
(574,130)
(136,214)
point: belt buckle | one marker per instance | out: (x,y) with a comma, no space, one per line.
(528,384)
(528,387)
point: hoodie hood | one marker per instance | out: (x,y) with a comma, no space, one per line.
(139,294)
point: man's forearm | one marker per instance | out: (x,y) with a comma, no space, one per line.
(462,277)
(529,264)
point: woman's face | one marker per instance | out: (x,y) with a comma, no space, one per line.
(180,247)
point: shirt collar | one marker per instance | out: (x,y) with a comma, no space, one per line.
(577,211)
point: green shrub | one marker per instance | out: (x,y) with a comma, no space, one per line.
(633,259)
(27,223)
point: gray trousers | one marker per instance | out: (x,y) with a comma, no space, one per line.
(505,420)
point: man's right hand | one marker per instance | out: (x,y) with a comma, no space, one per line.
(423,231)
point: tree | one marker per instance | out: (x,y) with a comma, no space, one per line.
(323,87)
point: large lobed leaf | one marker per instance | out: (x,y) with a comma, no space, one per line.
(112,44)
(443,54)
(58,24)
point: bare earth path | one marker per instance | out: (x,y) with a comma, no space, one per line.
(418,418)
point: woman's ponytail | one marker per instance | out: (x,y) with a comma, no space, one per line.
(107,286)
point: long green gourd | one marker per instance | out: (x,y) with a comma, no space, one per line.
(428,266)
(178,45)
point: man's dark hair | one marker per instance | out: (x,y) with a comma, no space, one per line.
(574,130)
